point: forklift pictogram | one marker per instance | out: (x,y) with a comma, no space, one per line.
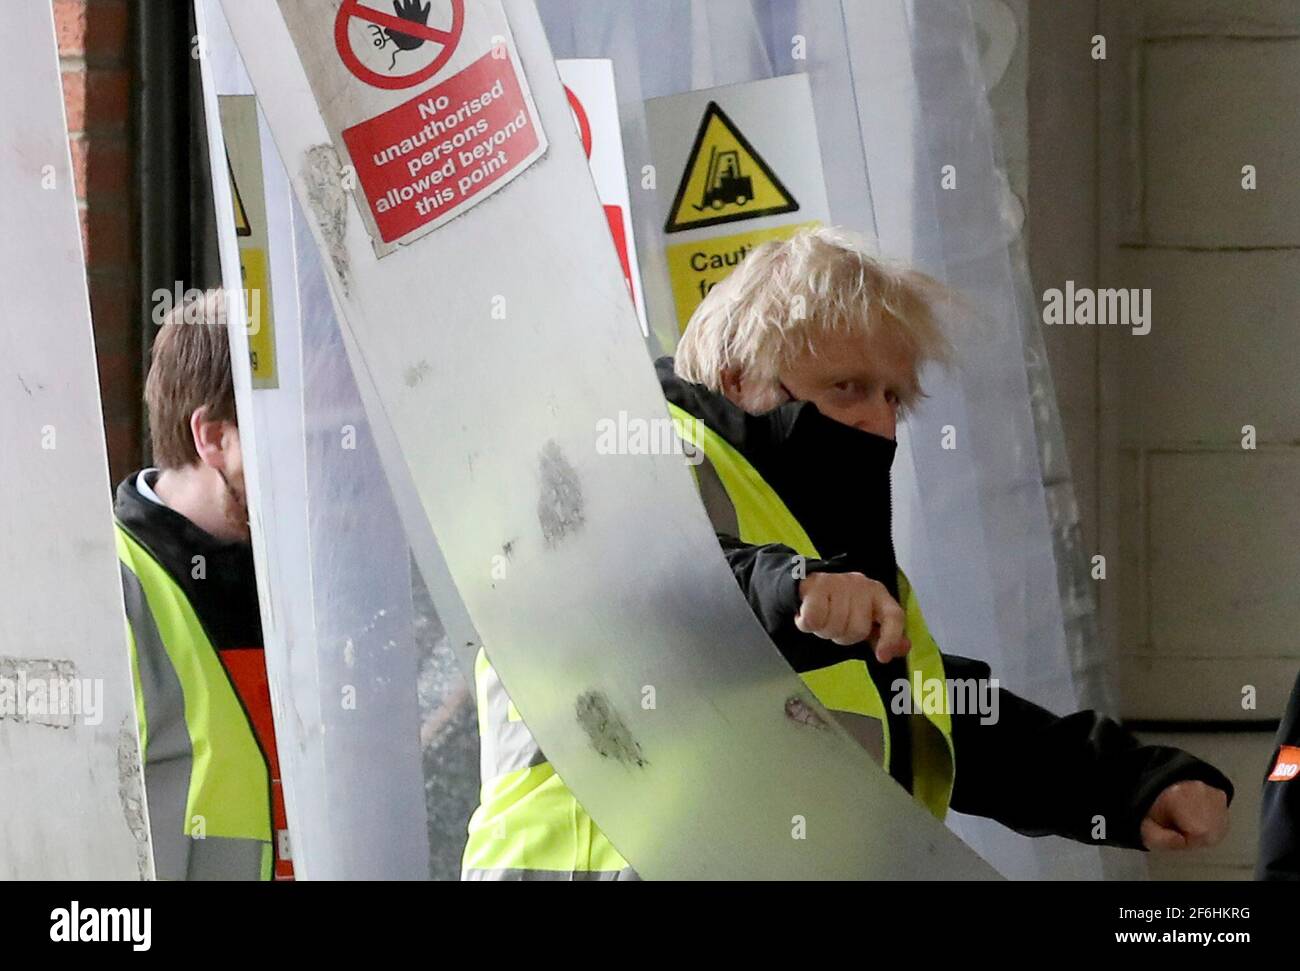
(725,180)
(724,185)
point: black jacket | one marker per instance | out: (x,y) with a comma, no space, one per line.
(1279,818)
(224,595)
(1032,771)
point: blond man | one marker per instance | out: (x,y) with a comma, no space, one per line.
(791,377)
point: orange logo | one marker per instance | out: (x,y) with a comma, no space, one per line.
(1288,764)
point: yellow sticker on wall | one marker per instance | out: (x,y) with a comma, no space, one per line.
(697,267)
(244,157)
(257,294)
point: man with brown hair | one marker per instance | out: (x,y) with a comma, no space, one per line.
(202,698)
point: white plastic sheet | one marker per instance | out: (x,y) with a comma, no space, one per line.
(72,803)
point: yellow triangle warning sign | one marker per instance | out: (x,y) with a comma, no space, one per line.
(726,180)
(242,225)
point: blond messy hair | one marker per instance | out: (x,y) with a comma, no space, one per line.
(786,293)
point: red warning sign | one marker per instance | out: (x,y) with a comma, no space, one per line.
(401,49)
(427,104)
(580,118)
(424,159)
(613,214)
(593,101)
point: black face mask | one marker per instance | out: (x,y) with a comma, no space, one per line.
(835,479)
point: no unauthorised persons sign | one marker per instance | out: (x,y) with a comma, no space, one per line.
(433,155)
(426,102)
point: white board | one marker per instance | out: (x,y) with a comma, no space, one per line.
(71,797)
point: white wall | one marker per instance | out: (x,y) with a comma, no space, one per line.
(1135,181)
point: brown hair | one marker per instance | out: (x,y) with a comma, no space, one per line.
(190,370)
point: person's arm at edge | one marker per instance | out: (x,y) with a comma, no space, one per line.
(1082,776)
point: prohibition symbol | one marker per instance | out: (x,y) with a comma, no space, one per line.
(404,32)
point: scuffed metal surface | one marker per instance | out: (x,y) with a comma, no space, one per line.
(60,688)
(608,733)
(322,174)
(560,507)
(130,792)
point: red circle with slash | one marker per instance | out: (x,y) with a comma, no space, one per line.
(446,39)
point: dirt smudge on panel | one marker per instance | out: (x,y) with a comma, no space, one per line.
(798,710)
(130,793)
(46,691)
(416,373)
(560,507)
(608,735)
(322,175)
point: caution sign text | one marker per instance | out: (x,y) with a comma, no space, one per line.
(697,267)
(426,159)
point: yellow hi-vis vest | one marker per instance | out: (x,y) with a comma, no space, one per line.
(206,780)
(528,824)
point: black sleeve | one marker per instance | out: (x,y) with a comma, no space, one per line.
(769,578)
(1279,817)
(1042,775)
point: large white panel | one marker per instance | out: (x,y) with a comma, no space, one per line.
(71,799)
(334,569)
(1174,688)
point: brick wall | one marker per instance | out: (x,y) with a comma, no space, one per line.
(94,52)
